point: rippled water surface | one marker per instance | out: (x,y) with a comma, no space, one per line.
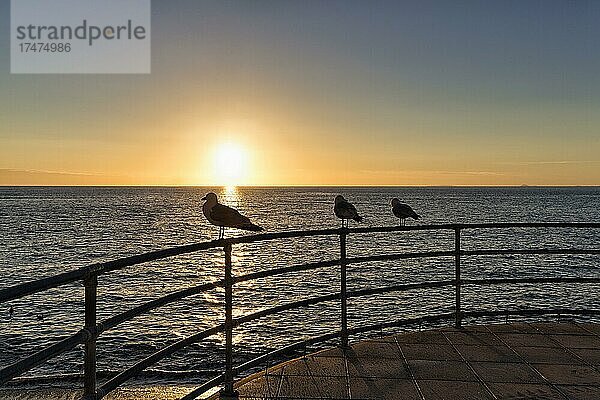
(45,231)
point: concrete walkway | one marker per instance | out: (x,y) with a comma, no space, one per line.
(509,361)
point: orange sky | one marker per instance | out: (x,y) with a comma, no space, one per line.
(315,94)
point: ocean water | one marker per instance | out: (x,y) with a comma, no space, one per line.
(45,231)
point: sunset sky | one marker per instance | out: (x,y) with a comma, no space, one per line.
(323,93)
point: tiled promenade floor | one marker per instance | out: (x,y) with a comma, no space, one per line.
(509,361)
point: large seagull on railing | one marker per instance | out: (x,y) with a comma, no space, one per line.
(225,217)
(403,211)
(345,210)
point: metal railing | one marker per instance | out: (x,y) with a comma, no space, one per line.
(91,328)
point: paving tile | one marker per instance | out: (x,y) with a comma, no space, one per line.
(297,367)
(510,391)
(577,341)
(429,352)
(499,353)
(523,339)
(333,352)
(473,339)
(506,372)
(552,355)
(381,368)
(524,327)
(591,356)
(440,389)
(316,366)
(581,392)
(428,337)
(511,327)
(589,327)
(374,350)
(383,389)
(569,374)
(332,387)
(447,370)
(469,328)
(560,329)
(299,387)
(260,387)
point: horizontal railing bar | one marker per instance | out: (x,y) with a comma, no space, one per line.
(101,268)
(492,252)
(39,357)
(282,235)
(32,287)
(111,322)
(400,288)
(504,225)
(499,281)
(285,307)
(28,288)
(135,369)
(527,312)
(483,313)
(284,270)
(399,256)
(497,225)
(204,387)
(401,322)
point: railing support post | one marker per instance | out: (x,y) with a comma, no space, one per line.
(458,312)
(91,285)
(343,295)
(228,392)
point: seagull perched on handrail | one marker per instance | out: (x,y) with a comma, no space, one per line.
(345,210)
(403,211)
(225,217)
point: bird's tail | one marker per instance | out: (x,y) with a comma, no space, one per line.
(358,218)
(251,227)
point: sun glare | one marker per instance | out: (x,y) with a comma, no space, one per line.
(230,164)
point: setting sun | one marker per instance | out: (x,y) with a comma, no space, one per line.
(230,164)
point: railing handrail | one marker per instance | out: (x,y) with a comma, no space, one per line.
(92,329)
(31,287)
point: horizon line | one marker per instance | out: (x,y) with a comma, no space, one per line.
(301,186)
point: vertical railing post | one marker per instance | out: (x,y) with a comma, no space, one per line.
(228,392)
(343,295)
(458,313)
(91,285)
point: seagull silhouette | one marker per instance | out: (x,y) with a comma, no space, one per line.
(345,210)
(225,217)
(403,211)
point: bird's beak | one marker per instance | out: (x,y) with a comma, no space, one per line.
(204,198)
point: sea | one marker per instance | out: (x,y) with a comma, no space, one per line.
(48,230)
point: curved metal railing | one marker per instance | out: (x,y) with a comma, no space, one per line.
(92,328)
